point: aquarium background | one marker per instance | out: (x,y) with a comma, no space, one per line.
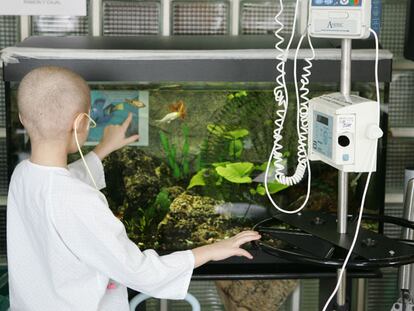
(199,177)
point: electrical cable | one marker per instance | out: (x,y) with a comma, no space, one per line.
(361,210)
(282,100)
(78,118)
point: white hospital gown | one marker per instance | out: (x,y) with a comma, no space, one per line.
(64,245)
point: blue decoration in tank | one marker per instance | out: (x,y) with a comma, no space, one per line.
(112,107)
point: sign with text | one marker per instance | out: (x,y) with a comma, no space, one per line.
(43,7)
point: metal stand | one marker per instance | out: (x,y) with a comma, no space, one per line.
(405,271)
(361,293)
(343,176)
(406,300)
(164,305)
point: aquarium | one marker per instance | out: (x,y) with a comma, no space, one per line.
(196,174)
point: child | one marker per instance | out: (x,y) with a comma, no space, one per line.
(66,250)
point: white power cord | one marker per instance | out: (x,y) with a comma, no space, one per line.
(282,100)
(361,209)
(78,118)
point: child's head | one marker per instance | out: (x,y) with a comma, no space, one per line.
(50,99)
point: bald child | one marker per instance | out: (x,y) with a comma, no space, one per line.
(66,250)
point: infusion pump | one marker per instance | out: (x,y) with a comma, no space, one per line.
(343,132)
(337,18)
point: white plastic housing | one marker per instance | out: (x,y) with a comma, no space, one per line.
(340,131)
(338,20)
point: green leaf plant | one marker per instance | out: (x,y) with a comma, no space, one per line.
(179,167)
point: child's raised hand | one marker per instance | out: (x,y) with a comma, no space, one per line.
(114,138)
(225,249)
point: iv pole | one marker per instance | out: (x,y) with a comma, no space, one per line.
(343,176)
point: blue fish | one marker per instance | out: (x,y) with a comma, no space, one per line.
(101,114)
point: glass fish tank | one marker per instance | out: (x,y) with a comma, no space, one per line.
(196,175)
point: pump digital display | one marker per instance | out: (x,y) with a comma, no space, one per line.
(340,3)
(322,119)
(322,134)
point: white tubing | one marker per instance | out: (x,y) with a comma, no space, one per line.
(78,118)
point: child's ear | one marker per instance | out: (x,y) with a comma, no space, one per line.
(21,119)
(78,124)
(81,123)
(75,124)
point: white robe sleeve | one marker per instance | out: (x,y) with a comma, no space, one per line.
(78,170)
(96,237)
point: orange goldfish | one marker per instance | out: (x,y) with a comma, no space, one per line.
(177,109)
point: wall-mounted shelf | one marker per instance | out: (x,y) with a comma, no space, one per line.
(403,64)
(394,198)
(402,132)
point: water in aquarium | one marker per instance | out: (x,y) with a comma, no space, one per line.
(196,174)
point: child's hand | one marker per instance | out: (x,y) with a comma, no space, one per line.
(225,249)
(114,138)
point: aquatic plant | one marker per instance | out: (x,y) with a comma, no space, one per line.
(179,168)
(170,152)
(233,138)
(161,204)
(231,171)
(272,186)
(238,173)
(198,179)
(234,173)
(143,225)
(238,94)
(185,162)
(251,112)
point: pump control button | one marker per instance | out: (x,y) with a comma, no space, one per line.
(343,141)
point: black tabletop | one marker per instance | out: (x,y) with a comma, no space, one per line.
(264,266)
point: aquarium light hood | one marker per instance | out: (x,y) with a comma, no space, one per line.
(13,54)
(182,58)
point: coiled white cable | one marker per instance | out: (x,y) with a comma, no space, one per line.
(282,100)
(361,210)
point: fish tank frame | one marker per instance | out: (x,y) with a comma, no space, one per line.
(205,60)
